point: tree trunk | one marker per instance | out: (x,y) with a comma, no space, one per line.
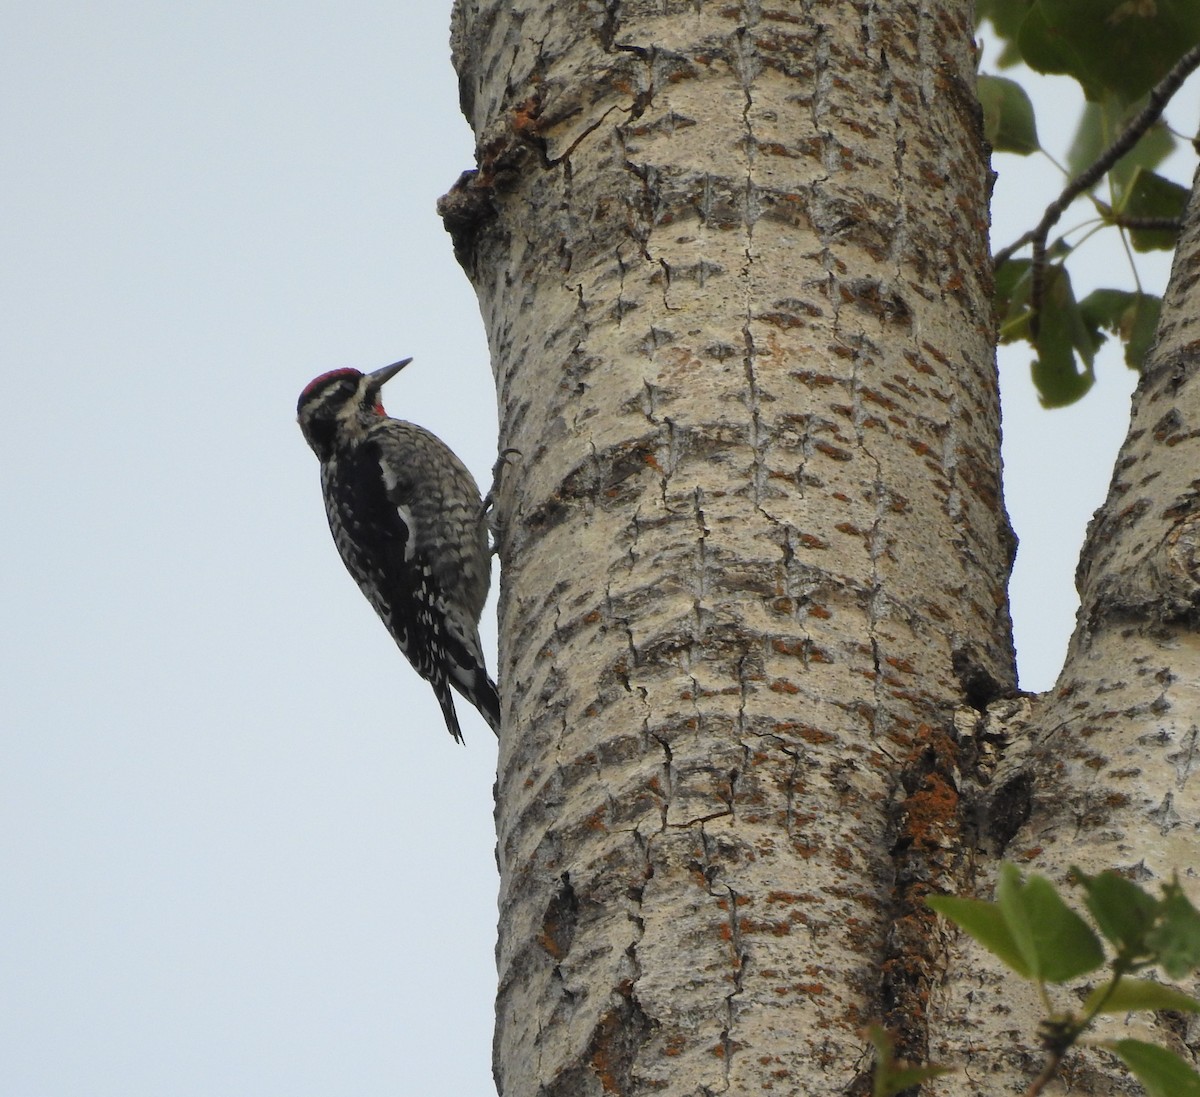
(1099,771)
(733,267)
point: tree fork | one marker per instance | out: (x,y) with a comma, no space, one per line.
(1105,761)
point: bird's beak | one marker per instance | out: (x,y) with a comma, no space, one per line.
(381,377)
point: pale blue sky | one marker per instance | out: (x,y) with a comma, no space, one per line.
(240,854)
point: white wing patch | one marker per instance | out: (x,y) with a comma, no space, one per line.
(390,480)
(410,542)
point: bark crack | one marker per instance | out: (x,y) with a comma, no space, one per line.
(876,540)
(564,158)
(747,70)
(729,1045)
(822,86)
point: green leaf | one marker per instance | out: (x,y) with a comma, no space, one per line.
(1055,942)
(1012,299)
(898,1081)
(891,1075)
(1123,911)
(1102,310)
(1142,329)
(1058,382)
(1133,994)
(985,922)
(1043,49)
(1100,124)
(1062,334)
(1133,317)
(1006,17)
(1150,195)
(1113,46)
(1008,121)
(1162,1072)
(1176,939)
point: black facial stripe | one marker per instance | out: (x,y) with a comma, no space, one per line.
(328,395)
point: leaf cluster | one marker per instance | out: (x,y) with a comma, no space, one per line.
(1128,58)
(1036,934)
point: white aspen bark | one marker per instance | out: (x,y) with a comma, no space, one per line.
(1102,773)
(732,263)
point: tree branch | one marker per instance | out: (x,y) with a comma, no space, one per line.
(1166,224)
(1159,96)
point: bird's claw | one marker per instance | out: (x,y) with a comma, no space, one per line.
(488,511)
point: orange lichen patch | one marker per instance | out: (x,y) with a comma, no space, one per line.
(814,380)
(819,611)
(914,696)
(774,929)
(607,1058)
(787,897)
(525,117)
(918,363)
(780,686)
(809,540)
(931,811)
(834,452)
(901,737)
(549,942)
(843,858)
(782,320)
(934,353)
(595,821)
(816,736)
(850,529)
(1029,854)
(873,397)
(674,1044)
(903,665)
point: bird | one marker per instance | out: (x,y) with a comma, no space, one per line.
(410,526)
